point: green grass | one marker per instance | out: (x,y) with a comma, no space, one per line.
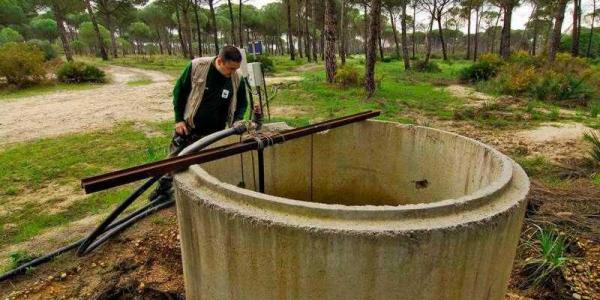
(139,82)
(540,167)
(9,94)
(30,167)
(398,92)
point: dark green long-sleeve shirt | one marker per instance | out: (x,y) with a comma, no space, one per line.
(212,113)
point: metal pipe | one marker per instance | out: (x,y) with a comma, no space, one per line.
(116,178)
(261,171)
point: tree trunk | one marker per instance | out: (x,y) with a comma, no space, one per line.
(160,45)
(505,39)
(404,38)
(441,33)
(306,34)
(371,40)
(290,38)
(233,40)
(430,33)
(589,48)
(322,48)
(576,27)
(299,28)
(477,27)
(198,31)
(187,29)
(330,38)
(559,17)
(494,32)
(315,50)
(60,21)
(179,31)
(214,26)
(468,56)
(414,31)
(395,33)
(343,31)
(241,36)
(113,39)
(380,42)
(366,26)
(103,53)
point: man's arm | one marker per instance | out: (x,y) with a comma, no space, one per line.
(181,91)
(242,101)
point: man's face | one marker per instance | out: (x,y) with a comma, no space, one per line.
(227,67)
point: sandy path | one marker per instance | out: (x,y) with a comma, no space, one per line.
(75,111)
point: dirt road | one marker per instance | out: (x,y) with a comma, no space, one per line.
(74,111)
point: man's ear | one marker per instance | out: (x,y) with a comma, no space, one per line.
(218,61)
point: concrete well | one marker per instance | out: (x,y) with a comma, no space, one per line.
(371,210)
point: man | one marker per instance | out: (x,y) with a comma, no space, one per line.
(208,96)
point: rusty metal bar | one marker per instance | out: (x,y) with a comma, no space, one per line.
(116,178)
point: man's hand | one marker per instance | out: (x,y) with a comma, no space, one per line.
(181,128)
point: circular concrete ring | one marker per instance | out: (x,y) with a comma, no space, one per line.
(371,210)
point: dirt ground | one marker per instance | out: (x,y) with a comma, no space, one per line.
(145,262)
(75,111)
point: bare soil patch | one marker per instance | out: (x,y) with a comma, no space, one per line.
(75,111)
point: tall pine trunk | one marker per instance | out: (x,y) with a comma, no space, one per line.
(506,28)
(103,53)
(330,40)
(404,38)
(395,32)
(441,34)
(299,28)
(468,56)
(371,40)
(306,32)
(477,27)
(414,31)
(576,27)
(430,33)
(198,31)
(290,38)
(62,33)
(233,40)
(179,33)
(589,48)
(342,34)
(380,42)
(315,50)
(241,36)
(214,25)
(559,17)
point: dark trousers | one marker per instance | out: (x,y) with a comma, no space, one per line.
(178,143)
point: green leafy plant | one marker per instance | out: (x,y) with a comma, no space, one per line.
(594,108)
(593,138)
(549,250)
(264,60)
(18,258)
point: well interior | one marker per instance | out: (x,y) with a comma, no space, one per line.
(367,163)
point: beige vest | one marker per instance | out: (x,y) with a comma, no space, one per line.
(200,67)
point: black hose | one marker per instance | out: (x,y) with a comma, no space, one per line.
(107,228)
(126,221)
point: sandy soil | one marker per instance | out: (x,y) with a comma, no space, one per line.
(74,111)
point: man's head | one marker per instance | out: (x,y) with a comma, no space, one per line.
(228,61)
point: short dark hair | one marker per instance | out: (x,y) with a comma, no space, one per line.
(230,53)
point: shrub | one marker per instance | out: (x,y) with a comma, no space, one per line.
(347,76)
(46,47)
(9,35)
(480,71)
(594,108)
(431,67)
(77,72)
(21,63)
(264,60)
